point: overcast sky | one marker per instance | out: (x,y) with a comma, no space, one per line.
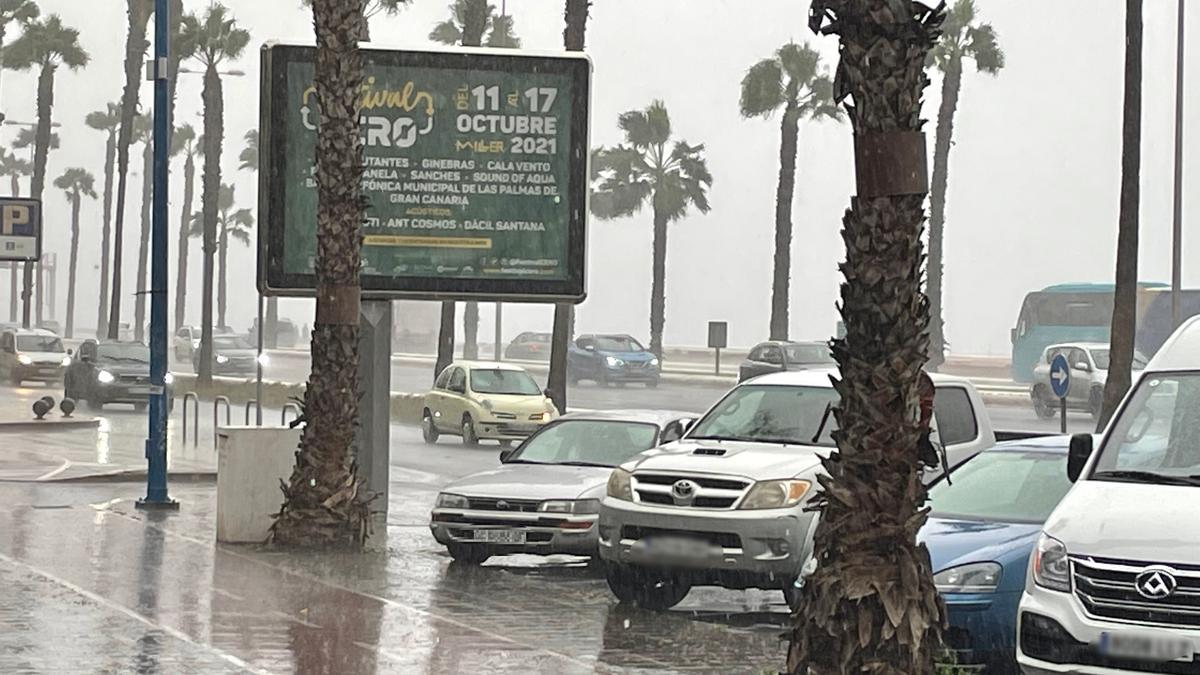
(1034,172)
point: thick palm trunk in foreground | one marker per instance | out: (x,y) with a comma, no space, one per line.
(871,606)
(323,502)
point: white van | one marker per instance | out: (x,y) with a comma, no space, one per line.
(1114,583)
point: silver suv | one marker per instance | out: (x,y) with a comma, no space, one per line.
(725,504)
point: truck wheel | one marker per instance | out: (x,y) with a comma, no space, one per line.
(429,432)
(468,553)
(645,589)
(1043,406)
(470,437)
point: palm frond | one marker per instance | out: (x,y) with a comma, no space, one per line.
(502,35)
(762,89)
(801,63)
(446,32)
(984,48)
(46,42)
(621,184)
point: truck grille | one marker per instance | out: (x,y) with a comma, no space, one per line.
(490,504)
(710,492)
(133,379)
(1108,589)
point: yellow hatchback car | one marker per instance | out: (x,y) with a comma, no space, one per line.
(485,401)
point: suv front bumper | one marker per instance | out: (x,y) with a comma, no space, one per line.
(745,549)
(545,533)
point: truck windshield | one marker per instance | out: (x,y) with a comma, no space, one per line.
(767,413)
(1156,438)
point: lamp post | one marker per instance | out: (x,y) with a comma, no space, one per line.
(1177,215)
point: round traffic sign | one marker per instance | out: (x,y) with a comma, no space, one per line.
(1060,376)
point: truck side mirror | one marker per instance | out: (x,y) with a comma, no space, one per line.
(1077,455)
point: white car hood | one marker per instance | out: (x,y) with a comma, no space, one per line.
(1131,521)
(45,357)
(534,481)
(758,461)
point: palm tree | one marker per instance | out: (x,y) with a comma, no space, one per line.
(77,183)
(143,132)
(248,161)
(1124,318)
(230,224)
(216,39)
(108,121)
(371,8)
(21,11)
(575,16)
(323,502)
(46,45)
(649,168)
(14,167)
(962,38)
(791,81)
(138,14)
(469,20)
(871,605)
(184,141)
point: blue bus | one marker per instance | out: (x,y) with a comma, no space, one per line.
(1083,313)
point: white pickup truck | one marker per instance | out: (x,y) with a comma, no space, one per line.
(725,504)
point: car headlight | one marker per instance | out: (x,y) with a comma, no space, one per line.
(541,417)
(104,377)
(1051,566)
(620,485)
(221,358)
(168,379)
(613,362)
(446,500)
(972,578)
(66,361)
(24,360)
(264,360)
(654,361)
(775,494)
(195,344)
(574,506)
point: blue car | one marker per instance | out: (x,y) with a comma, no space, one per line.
(615,359)
(984,523)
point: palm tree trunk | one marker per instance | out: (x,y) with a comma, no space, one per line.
(575,16)
(475,22)
(139,303)
(870,605)
(37,184)
(222,253)
(658,284)
(135,49)
(210,185)
(13,272)
(189,184)
(780,285)
(110,151)
(471,330)
(445,347)
(951,86)
(1124,318)
(324,502)
(70,324)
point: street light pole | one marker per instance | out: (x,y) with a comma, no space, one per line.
(157,496)
(1177,222)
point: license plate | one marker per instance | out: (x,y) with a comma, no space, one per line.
(1145,647)
(139,390)
(500,536)
(520,429)
(680,549)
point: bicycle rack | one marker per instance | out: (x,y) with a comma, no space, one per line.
(217,401)
(250,406)
(195,418)
(283,421)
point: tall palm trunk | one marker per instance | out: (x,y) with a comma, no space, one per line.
(189,184)
(110,151)
(780,285)
(658,284)
(70,326)
(14,273)
(210,185)
(1124,318)
(222,253)
(135,49)
(870,605)
(951,86)
(322,501)
(445,345)
(37,184)
(139,303)
(575,15)
(471,330)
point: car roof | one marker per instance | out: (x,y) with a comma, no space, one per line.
(657,417)
(40,332)
(1181,351)
(819,377)
(494,365)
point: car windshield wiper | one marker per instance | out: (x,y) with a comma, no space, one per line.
(579,463)
(824,418)
(1147,477)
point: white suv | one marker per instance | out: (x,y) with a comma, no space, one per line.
(1114,583)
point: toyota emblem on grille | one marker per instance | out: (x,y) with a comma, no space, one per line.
(502,505)
(684,491)
(1155,583)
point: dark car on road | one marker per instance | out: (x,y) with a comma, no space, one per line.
(111,372)
(776,356)
(529,346)
(605,359)
(232,355)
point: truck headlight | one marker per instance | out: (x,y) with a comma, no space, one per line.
(620,485)
(574,506)
(24,360)
(972,578)
(221,358)
(446,500)
(168,379)
(775,494)
(613,362)
(1051,566)
(104,377)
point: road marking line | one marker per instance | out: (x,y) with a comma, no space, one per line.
(66,464)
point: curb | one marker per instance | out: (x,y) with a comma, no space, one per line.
(49,424)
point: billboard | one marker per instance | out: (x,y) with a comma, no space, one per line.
(476,174)
(20,229)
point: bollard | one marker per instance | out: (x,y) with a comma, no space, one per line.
(191,395)
(283,413)
(250,404)
(217,401)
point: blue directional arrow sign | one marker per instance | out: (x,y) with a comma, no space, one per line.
(1060,376)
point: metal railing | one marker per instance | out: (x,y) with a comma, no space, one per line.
(217,401)
(195,418)
(283,420)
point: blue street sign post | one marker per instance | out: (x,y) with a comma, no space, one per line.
(1060,383)
(156,445)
